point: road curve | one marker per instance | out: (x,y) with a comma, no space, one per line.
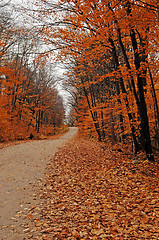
(22,169)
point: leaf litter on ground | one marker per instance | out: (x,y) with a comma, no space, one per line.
(96,192)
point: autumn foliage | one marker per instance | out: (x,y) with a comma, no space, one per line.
(112,48)
(30,106)
(93,191)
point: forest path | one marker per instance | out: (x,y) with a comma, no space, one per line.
(21,172)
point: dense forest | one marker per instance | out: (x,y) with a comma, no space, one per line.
(110,52)
(29,101)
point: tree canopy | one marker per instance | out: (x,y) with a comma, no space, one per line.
(110,50)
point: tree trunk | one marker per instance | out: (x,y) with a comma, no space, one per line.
(145,131)
(123,89)
(95,122)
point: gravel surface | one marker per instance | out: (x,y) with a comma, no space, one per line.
(22,170)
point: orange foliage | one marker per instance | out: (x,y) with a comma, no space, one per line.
(26,107)
(114,47)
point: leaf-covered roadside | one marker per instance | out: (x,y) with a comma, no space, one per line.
(94,192)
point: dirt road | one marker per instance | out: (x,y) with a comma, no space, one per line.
(22,170)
